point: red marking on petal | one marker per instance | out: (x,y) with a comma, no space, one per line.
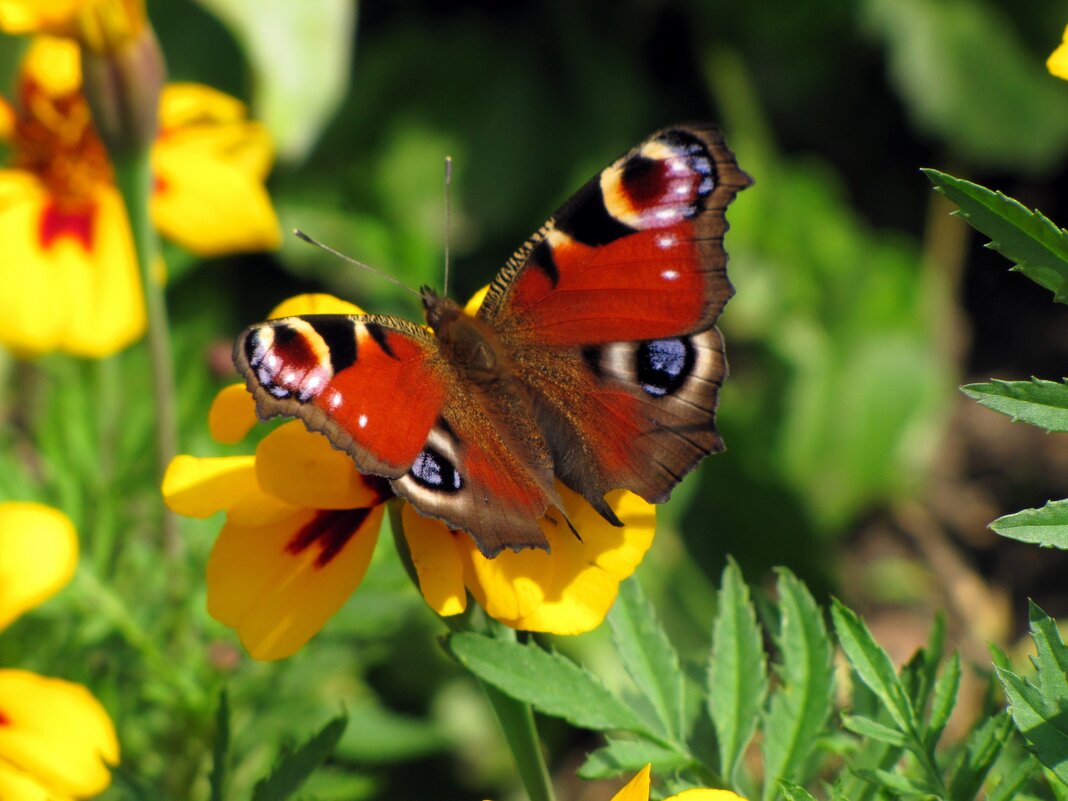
(159,184)
(331,529)
(4,719)
(75,223)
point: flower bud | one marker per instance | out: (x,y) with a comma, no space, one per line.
(123,73)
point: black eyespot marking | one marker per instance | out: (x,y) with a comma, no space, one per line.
(700,159)
(591,355)
(375,331)
(586,219)
(432,470)
(663,365)
(340,338)
(542,257)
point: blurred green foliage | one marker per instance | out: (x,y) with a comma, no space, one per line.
(842,378)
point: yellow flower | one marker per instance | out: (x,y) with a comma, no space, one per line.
(39,16)
(637,789)
(1057,63)
(56,740)
(68,265)
(302,522)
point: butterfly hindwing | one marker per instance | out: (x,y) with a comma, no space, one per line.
(378,388)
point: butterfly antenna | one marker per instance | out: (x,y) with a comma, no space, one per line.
(448,219)
(301,235)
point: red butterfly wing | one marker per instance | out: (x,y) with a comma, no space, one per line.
(609,313)
(378,388)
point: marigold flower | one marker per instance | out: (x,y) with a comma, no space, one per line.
(637,789)
(1057,63)
(56,740)
(69,268)
(302,523)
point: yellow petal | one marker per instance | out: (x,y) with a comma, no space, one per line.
(54,64)
(185,105)
(303,469)
(579,580)
(33,16)
(437,562)
(232,414)
(57,732)
(277,594)
(1057,63)
(15,785)
(701,794)
(72,286)
(637,789)
(7,120)
(197,487)
(38,554)
(210,206)
(313,303)
(475,303)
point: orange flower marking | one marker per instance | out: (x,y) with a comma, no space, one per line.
(4,719)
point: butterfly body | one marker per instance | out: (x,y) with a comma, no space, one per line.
(594,358)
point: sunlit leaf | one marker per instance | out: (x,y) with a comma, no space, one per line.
(294,768)
(627,756)
(1047,526)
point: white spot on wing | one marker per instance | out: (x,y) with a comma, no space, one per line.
(362,421)
(669,275)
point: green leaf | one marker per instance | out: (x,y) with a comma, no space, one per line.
(551,683)
(1006,789)
(897,783)
(1051,659)
(1047,526)
(795,792)
(981,749)
(648,655)
(1037,246)
(220,748)
(866,727)
(873,665)
(1037,402)
(293,769)
(627,756)
(300,55)
(803,701)
(1043,727)
(945,699)
(967,76)
(737,670)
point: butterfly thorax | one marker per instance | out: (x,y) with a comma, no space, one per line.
(465,342)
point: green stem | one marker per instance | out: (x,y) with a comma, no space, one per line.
(133,175)
(516,717)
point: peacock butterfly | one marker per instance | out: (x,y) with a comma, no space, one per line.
(594,357)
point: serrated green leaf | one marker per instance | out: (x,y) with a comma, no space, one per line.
(1037,246)
(943,701)
(1037,402)
(873,665)
(737,670)
(220,748)
(1040,725)
(550,682)
(1047,526)
(803,701)
(648,655)
(795,792)
(866,727)
(981,749)
(1006,789)
(293,769)
(627,756)
(1051,658)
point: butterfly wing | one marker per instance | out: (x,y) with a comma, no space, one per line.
(379,390)
(609,311)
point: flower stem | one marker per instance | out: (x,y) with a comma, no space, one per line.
(133,175)
(516,717)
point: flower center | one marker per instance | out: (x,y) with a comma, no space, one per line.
(331,529)
(54,139)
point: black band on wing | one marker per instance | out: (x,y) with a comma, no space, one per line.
(378,334)
(541,256)
(339,334)
(586,219)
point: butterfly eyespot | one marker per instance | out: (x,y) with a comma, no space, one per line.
(432,470)
(663,365)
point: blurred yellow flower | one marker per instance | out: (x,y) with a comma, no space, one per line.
(637,789)
(266,580)
(39,16)
(1057,63)
(69,269)
(56,740)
